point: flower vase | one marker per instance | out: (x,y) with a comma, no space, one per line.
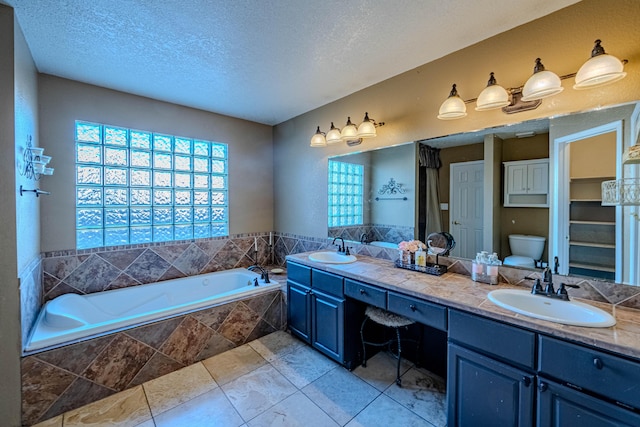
(412,258)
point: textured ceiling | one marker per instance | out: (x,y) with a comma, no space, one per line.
(261,60)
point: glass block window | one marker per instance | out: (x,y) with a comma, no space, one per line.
(345,193)
(137,186)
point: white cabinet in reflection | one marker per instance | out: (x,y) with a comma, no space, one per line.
(526,183)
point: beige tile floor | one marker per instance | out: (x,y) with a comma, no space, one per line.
(273,381)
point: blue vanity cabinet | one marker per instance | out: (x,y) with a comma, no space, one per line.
(327,314)
(561,406)
(581,386)
(299,301)
(316,309)
(491,377)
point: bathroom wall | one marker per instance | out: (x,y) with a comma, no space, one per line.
(409,102)
(18,253)
(27,206)
(62,102)
(399,164)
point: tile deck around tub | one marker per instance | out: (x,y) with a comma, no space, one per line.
(272,381)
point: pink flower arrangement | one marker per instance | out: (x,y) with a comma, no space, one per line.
(411,245)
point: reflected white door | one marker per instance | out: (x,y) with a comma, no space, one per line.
(466,207)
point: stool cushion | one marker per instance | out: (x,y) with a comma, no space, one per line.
(385,318)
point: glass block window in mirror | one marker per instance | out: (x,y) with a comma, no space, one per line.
(345,193)
(136,186)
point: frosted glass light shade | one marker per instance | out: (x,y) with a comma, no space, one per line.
(453,107)
(599,71)
(541,84)
(492,97)
(366,129)
(318,139)
(349,131)
(333,136)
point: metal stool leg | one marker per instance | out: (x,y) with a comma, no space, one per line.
(364,346)
(398,380)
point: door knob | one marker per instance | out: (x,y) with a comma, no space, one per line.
(456,222)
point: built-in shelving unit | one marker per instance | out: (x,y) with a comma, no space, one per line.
(592,230)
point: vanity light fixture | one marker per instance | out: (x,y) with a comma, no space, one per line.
(542,84)
(333,136)
(453,107)
(599,70)
(493,96)
(318,139)
(350,133)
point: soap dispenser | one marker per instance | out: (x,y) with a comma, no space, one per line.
(421,258)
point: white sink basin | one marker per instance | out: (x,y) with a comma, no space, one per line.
(332,257)
(554,310)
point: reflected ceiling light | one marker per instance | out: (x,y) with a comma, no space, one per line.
(333,136)
(453,107)
(541,84)
(318,139)
(350,133)
(599,70)
(493,96)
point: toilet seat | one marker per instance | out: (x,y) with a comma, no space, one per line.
(519,261)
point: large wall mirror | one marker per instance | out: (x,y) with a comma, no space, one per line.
(488,191)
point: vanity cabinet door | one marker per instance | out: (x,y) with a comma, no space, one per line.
(484,392)
(299,310)
(328,324)
(560,406)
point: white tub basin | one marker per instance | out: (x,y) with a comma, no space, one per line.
(332,257)
(554,310)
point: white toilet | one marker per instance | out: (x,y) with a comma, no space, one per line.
(525,249)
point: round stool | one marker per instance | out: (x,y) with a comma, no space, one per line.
(390,320)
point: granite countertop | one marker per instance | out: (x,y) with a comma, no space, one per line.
(459,291)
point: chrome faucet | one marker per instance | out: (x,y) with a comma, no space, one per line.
(364,238)
(264,275)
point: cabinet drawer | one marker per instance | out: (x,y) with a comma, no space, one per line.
(502,341)
(602,373)
(327,282)
(427,313)
(366,293)
(299,273)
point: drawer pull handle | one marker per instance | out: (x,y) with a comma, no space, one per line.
(526,381)
(543,386)
(598,363)
(413,307)
(362,292)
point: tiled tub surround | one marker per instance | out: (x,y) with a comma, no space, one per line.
(58,380)
(30,296)
(459,291)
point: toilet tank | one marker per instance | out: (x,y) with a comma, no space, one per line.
(527,245)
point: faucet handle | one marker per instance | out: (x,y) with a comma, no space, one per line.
(537,287)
